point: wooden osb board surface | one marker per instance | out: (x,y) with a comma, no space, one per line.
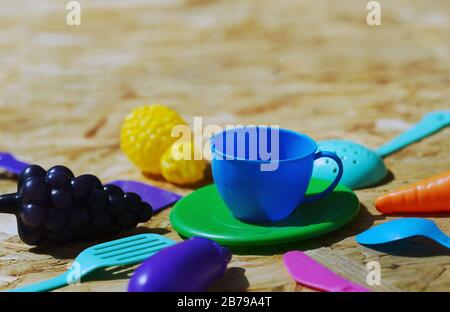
(312,66)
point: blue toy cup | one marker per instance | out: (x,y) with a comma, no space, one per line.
(262,173)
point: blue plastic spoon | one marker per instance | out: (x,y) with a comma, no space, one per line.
(403,228)
(364,167)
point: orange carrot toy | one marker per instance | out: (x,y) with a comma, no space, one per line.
(429,195)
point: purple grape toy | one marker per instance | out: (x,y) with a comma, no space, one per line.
(58,207)
(192,265)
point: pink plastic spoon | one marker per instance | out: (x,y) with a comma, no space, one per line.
(308,272)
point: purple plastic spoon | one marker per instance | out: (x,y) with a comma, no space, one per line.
(11,164)
(156,197)
(309,272)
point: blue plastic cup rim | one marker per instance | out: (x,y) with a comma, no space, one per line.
(226,156)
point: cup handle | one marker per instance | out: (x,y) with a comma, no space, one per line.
(330,188)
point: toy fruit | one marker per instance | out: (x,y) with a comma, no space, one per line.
(55,205)
(428,195)
(157,197)
(179,166)
(192,265)
(146,135)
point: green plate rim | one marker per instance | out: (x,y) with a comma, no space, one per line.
(320,229)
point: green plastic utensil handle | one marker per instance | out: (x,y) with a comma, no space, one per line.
(54,283)
(430,123)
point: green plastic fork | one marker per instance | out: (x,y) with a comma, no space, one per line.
(124,251)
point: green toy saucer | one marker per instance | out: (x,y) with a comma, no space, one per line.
(203,213)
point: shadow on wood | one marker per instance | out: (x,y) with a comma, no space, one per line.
(72,250)
(234,279)
(418,247)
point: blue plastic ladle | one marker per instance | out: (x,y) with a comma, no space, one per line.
(364,167)
(398,229)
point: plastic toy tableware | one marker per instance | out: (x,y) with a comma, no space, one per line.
(11,164)
(124,251)
(203,213)
(192,265)
(156,197)
(403,228)
(308,272)
(364,167)
(262,173)
(431,195)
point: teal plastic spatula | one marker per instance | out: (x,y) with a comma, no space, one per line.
(364,167)
(124,251)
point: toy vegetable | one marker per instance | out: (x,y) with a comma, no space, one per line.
(192,265)
(429,195)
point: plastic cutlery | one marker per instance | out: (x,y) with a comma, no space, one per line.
(156,197)
(11,164)
(429,124)
(403,228)
(124,251)
(308,272)
(363,166)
